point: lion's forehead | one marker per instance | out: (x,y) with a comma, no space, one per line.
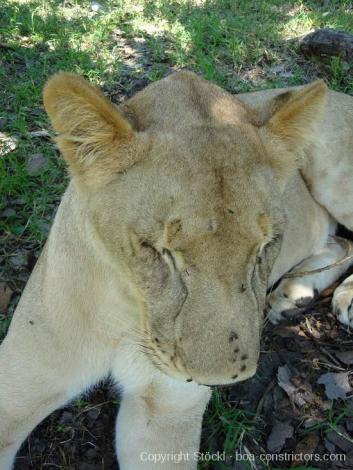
(185,98)
(190,195)
(205,172)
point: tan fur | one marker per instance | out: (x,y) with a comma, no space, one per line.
(185,205)
(290,125)
(90,132)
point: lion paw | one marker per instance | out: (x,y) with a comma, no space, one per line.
(289,300)
(342,303)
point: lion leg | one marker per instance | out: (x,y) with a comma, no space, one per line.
(294,294)
(39,372)
(159,421)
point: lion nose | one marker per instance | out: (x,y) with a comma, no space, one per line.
(244,361)
(232,359)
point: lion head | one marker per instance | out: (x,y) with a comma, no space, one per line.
(183,184)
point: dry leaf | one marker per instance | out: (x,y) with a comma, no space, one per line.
(7,144)
(306,446)
(278,436)
(336,384)
(283,377)
(340,439)
(345,356)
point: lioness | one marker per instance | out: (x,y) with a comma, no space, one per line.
(185,205)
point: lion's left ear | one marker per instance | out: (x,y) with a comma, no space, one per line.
(94,138)
(289,126)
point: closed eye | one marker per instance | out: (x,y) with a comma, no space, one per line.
(169,258)
(277,238)
(267,249)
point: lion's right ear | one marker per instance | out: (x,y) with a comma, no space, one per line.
(93,137)
(290,123)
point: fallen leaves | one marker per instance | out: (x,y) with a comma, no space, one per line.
(299,394)
(336,385)
(338,437)
(10,143)
(298,407)
(7,144)
(306,446)
(279,434)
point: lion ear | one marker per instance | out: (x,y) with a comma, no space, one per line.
(289,125)
(93,137)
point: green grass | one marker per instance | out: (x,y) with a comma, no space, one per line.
(241,45)
(236,44)
(335,417)
(230,424)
